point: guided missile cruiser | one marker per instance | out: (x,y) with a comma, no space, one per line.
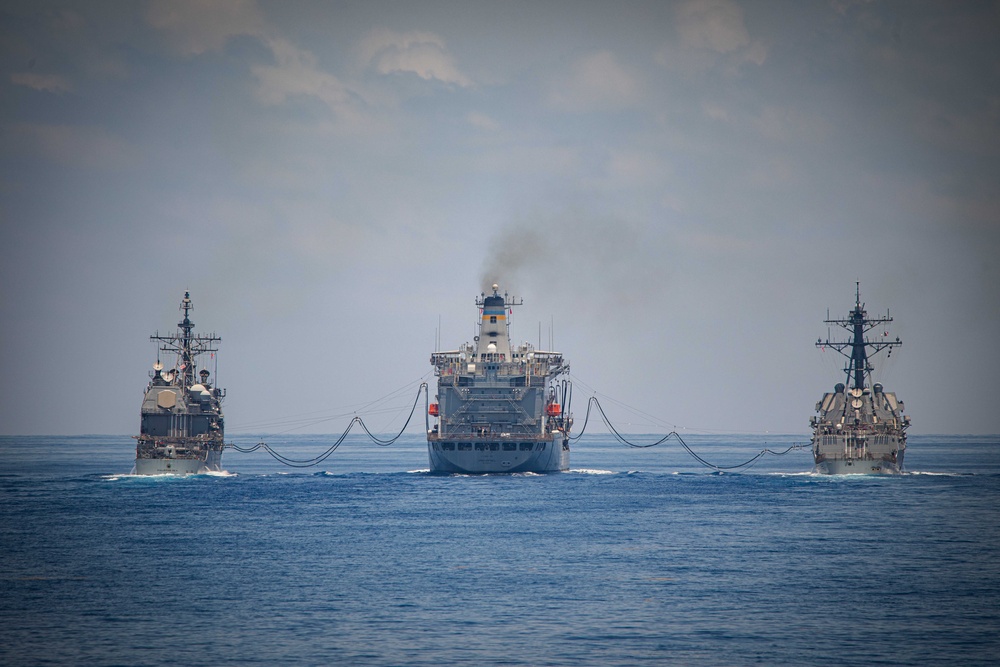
(181,428)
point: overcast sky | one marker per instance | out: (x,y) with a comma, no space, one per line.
(679,192)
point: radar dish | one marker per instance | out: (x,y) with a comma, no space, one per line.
(157,366)
(168,376)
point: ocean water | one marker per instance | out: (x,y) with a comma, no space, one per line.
(635,557)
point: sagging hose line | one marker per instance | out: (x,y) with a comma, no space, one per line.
(592,402)
(305,463)
(674,434)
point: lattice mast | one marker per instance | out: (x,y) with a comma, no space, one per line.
(185,345)
(856,349)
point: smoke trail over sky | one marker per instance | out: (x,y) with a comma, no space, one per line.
(580,258)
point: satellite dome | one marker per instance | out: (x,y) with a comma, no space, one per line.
(199,392)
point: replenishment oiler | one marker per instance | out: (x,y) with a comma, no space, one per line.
(499,409)
(860,429)
(181,431)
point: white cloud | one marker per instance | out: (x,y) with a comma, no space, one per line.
(709,31)
(296,73)
(420,53)
(715,112)
(195,27)
(483,122)
(756,53)
(52,83)
(716,25)
(598,82)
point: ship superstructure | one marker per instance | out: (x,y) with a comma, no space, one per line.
(499,408)
(181,430)
(860,428)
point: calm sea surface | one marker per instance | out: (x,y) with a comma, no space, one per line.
(635,557)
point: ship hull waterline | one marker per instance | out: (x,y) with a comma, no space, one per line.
(176,466)
(859,467)
(481,457)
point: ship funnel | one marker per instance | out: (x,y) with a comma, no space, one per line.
(494,344)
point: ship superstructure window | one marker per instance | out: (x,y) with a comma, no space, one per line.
(526,446)
(493,319)
(510,446)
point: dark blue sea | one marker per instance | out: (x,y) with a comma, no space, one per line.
(635,557)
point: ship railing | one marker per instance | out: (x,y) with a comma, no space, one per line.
(489,435)
(439,358)
(500,368)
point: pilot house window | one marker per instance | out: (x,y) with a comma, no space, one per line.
(493,319)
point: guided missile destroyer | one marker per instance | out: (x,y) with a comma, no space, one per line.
(860,430)
(182,426)
(499,409)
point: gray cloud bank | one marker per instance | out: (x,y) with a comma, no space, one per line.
(678,190)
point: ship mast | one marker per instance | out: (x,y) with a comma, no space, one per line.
(186,345)
(859,324)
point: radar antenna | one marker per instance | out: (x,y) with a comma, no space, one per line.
(185,344)
(858,323)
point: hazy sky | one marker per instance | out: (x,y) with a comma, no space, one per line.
(678,190)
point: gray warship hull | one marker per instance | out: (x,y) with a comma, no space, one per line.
(863,454)
(859,430)
(212,462)
(181,430)
(500,455)
(858,467)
